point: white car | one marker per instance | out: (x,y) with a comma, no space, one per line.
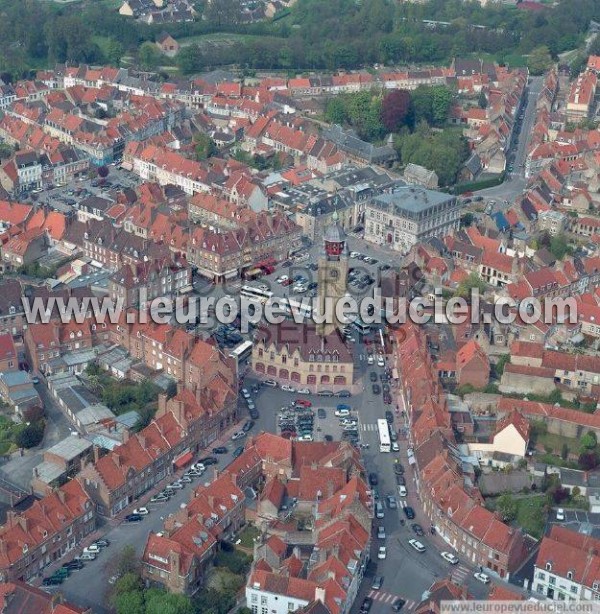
(270,382)
(305,438)
(87,556)
(380,361)
(281,279)
(482,577)
(560,514)
(342,413)
(174,486)
(417,545)
(354,254)
(141,511)
(288,388)
(348,421)
(198,467)
(238,435)
(92,549)
(303,391)
(402,491)
(245,393)
(451,558)
(395,446)
(382,552)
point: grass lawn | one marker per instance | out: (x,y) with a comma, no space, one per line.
(556,442)
(531,515)
(247,536)
(103,42)
(224,38)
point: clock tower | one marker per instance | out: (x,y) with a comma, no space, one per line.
(332,275)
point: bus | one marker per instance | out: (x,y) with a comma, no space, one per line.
(242,351)
(252,292)
(291,306)
(385,444)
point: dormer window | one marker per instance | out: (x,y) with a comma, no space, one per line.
(72,335)
(569,575)
(548,566)
(79,333)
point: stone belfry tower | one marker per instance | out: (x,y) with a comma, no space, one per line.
(332,274)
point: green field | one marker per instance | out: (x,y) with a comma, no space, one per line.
(220,38)
(532,514)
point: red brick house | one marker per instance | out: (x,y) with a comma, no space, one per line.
(9,360)
(472,365)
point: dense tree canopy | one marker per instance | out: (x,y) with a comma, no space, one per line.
(315,34)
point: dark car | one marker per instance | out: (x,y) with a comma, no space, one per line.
(238,451)
(208,460)
(343,394)
(398,468)
(398,605)
(134,518)
(220,450)
(71,565)
(376,389)
(418,529)
(253,414)
(373,479)
(248,425)
(321,413)
(400,480)
(389,416)
(328,438)
(409,512)
(366,604)
(52,581)
(387,399)
(373,376)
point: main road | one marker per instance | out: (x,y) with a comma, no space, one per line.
(515,181)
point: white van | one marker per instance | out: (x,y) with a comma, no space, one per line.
(402,491)
(380,361)
(379,511)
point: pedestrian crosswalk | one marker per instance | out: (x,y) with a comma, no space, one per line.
(368,427)
(459,573)
(389,598)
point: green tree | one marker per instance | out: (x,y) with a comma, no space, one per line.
(507,507)
(160,602)
(32,435)
(482,100)
(539,60)
(559,246)
(335,112)
(130,603)
(564,453)
(204,146)
(503,360)
(114,52)
(472,282)
(128,564)
(148,55)
(588,442)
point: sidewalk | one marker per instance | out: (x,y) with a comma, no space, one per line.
(111,523)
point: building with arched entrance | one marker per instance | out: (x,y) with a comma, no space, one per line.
(296,355)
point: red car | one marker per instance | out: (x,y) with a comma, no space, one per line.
(303,403)
(287,282)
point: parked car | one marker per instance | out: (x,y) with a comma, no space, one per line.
(74,565)
(141,511)
(382,552)
(220,450)
(87,556)
(418,529)
(52,581)
(321,413)
(270,382)
(134,518)
(376,388)
(103,543)
(174,486)
(398,604)
(340,413)
(373,479)
(392,503)
(373,376)
(208,460)
(402,491)
(288,388)
(160,498)
(238,451)
(560,514)
(409,512)
(92,548)
(303,403)
(377,583)
(482,577)
(366,605)
(248,425)
(380,532)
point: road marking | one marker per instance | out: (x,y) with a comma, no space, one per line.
(389,598)
(460,573)
(368,427)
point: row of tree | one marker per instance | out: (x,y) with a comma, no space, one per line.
(325,35)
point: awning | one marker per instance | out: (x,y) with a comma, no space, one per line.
(183,460)
(230,274)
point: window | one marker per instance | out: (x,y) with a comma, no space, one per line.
(291,606)
(569,575)
(263,600)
